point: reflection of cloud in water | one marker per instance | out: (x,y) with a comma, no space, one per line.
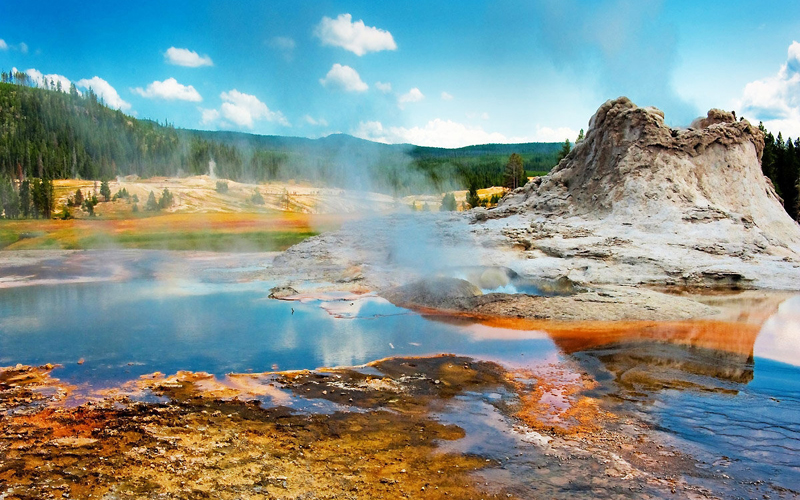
(19,324)
(347,347)
(779,338)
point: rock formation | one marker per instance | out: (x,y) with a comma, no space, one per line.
(632,166)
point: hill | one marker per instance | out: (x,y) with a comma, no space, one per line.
(57,135)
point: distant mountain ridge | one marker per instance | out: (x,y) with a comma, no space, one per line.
(52,134)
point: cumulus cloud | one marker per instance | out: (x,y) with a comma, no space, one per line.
(105,91)
(186,57)
(243,110)
(285,45)
(353,36)
(775,100)
(436,133)
(321,122)
(3,44)
(170,90)
(383,87)
(449,134)
(208,116)
(558,134)
(413,95)
(344,78)
(46,81)
(446,96)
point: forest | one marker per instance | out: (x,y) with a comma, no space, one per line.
(781,163)
(55,133)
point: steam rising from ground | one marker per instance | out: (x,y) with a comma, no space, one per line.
(634,50)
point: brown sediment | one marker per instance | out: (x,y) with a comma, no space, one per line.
(214,437)
(210,442)
(25,387)
(552,400)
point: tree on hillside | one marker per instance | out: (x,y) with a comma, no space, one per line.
(565,150)
(25,198)
(514,175)
(9,199)
(580,137)
(780,162)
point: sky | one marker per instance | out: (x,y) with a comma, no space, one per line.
(446,74)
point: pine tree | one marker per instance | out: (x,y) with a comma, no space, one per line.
(448,203)
(514,172)
(473,200)
(152,204)
(565,150)
(105,190)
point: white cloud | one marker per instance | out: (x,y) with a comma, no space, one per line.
(413,95)
(3,44)
(383,87)
(23,47)
(437,133)
(344,78)
(316,122)
(353,36)
(44,81)
(285,45)
(170,90)
(446,96)
(186,57)
(244,110)
(209,116)
(105,91)
(775,100)
(450,134)
(548,134)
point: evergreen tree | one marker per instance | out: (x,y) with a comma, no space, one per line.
(25,199)
(565,150)
(514,175)
(257,199)
(105,190)
(473,200)
(78,198)
(448,203)
(152,204)
(166,200)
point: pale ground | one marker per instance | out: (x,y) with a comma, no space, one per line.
(198,194)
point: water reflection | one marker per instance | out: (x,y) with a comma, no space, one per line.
(727,392)
(123,330)
(779,339)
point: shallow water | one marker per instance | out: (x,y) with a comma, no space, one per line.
(123,330)
(733,408)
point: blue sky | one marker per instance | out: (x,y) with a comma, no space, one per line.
(432,73)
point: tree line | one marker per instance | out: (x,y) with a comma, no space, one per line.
(56,133)
(781,163)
